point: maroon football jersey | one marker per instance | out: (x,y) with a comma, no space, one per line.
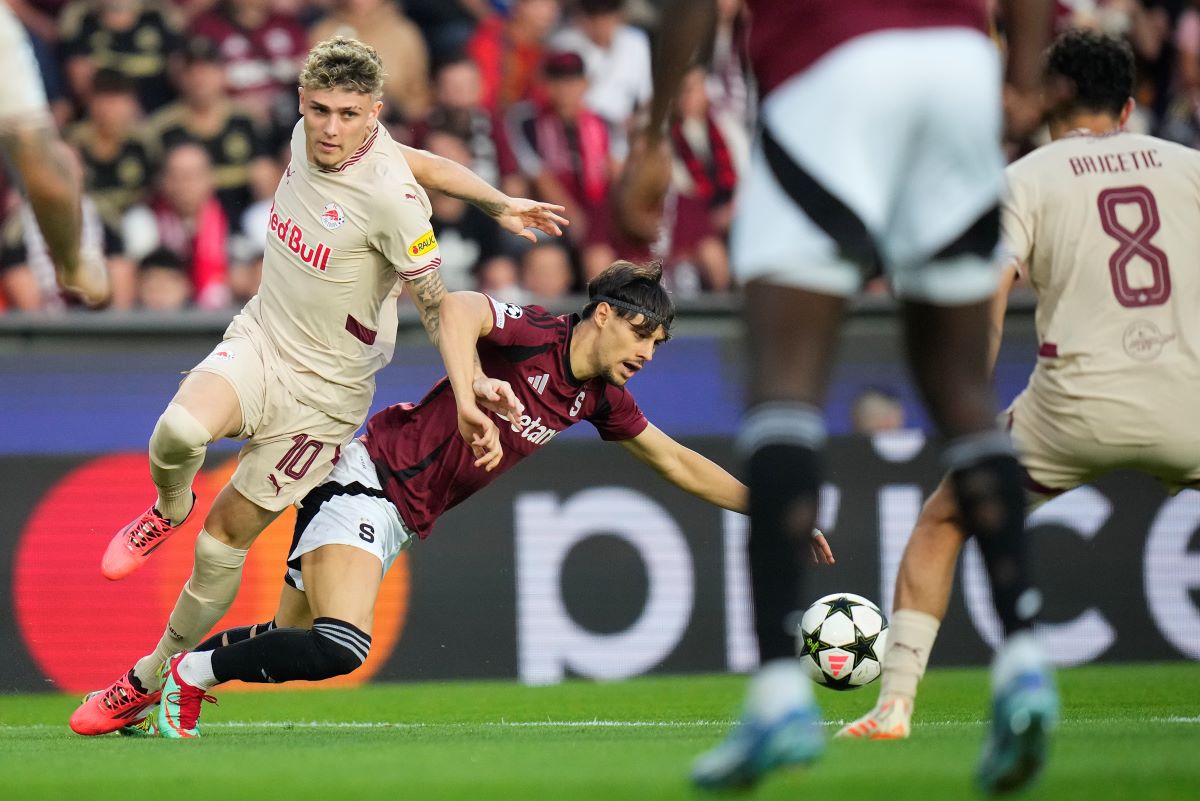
(425,467)
(787,36)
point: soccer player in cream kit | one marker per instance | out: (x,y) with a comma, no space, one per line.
(294,375)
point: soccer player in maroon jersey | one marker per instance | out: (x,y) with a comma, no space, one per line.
(418,460)
(878,147)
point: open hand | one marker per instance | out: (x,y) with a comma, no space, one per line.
(821,554)
(519,215)
(498,397)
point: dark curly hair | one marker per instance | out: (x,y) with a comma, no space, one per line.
(1098,67)
(633,287)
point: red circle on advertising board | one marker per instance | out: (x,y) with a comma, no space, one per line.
(83,630)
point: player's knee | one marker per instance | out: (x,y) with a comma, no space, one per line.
(988,483)
(343,647)
(177,435)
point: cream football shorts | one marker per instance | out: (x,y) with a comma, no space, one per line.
(1059,448)
(290,447)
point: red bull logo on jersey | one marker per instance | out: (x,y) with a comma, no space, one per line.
(293,239)
(333,217)
(426,243)
(533,430)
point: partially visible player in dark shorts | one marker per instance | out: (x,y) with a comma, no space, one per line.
(418,460)
(878,147)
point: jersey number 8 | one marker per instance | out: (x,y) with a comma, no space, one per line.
(1135,242)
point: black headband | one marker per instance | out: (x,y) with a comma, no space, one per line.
(630,307)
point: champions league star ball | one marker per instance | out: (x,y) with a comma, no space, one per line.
(841,641)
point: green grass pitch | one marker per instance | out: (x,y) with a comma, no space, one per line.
(1130,733)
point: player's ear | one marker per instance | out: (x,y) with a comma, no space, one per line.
(300,94)
(376,107)
(1126,110)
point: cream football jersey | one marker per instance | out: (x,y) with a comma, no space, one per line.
(1108,227)
(338,241)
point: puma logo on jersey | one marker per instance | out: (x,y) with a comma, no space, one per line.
(293,239)
(426,243)
(538,382)
(274,482)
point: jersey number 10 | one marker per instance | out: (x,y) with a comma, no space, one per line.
(1135,243)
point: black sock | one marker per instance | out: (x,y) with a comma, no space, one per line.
(330,648)
(784,493)
(989,488)
(235,635)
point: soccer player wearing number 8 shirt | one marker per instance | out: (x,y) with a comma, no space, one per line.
(1106,225)
(294,375)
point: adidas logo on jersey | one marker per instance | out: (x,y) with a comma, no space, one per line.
(538,382)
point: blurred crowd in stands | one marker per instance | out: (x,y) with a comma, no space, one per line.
(180,113)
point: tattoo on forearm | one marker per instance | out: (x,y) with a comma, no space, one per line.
(492,208)
(427,292)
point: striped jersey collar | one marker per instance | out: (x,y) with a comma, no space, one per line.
(358,155)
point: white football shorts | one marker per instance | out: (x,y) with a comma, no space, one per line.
(348,509)
(896,136)
(22,97)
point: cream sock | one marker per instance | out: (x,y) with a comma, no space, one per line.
(207,596)
(910,640)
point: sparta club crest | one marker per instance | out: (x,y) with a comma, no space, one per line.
(333,217)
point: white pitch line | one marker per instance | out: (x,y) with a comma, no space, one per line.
(570,724)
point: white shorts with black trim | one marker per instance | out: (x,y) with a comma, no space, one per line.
(891,151)
(348,509)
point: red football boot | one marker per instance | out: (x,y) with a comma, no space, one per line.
(121,704)
(132,545)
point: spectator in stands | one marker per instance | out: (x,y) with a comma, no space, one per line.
(116,161)
(27,274)
(263,50)
(204,114)
(186,218)
(617,57)
(163,283)
(399,43)
(709,153)
(501,278)
(509,50)
(546,272)
(877,409)
(458,107)
(133,37)
(448,25)
(565,150)
(466,236)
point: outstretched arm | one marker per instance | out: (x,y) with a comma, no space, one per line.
(515,215)
(703,478)
(688,470)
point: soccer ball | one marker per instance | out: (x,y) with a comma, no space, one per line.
(841,641)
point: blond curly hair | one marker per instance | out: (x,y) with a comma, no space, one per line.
(344,63)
